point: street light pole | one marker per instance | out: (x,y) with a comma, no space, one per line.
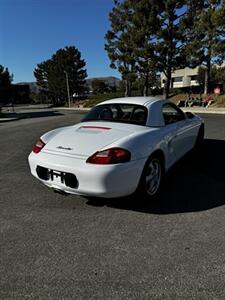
(68,88)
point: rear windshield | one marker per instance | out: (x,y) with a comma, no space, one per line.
(122,113)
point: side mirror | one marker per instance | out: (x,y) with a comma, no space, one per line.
(189,115)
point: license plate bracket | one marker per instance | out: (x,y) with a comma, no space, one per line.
(68,179)
(57,174)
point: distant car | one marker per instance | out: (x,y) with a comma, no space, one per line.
(120,146)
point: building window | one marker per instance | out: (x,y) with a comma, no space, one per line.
(177,79)
(194,77)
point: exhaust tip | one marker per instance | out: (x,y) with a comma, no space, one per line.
(42,173)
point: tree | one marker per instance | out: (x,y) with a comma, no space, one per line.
(146,37)
(5,77)
(170,39)
(51,74)
(130,42)
(5,84)
(147,83)
(119,44)
(99,86)
(206,44)
(144,27)
(202,74)
(220,77)
(217,76)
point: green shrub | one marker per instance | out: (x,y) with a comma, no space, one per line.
(95,99)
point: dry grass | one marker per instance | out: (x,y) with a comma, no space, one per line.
(178,97)
(92,101)
(219,99)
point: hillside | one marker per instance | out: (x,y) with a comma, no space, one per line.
(111,81)
(33,86)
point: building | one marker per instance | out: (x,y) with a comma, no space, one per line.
(182,78)
(186,78)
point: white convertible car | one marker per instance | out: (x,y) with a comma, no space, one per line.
(121,145)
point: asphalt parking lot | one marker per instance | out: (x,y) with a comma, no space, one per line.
(69,247)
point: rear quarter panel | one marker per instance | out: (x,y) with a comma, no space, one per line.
(143,144)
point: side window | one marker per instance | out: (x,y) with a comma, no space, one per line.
(139,116)
(172,114)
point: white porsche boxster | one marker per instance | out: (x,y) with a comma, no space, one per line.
(120,146)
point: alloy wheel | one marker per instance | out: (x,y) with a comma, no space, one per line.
(153,176)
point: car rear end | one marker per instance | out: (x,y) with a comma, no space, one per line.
(76,167)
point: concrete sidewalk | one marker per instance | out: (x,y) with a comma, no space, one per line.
(74,108)
(204,110)
(20,115)
(7,117)
(198,110)
(2,120)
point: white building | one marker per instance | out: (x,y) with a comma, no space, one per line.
(186,77)
(181,78)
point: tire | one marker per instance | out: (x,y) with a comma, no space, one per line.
(151,178)
(200,137)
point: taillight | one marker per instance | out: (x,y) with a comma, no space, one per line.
(38,146)
(110,156)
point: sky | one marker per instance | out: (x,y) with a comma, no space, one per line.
(32,30)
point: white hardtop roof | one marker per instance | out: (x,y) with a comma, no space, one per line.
(133,100)
(153,104)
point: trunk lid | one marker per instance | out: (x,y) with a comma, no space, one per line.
(86,138)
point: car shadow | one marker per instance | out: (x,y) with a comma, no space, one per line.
(36,114)
(195,183)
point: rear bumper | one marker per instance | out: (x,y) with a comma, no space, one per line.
(108,181)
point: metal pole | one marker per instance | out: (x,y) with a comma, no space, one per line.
(68,89)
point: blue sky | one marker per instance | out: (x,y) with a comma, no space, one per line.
(32,30)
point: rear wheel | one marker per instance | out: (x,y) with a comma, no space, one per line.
(151,178)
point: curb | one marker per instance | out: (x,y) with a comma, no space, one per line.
(205,111)
(4,120)
(74,108)
(197,111)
